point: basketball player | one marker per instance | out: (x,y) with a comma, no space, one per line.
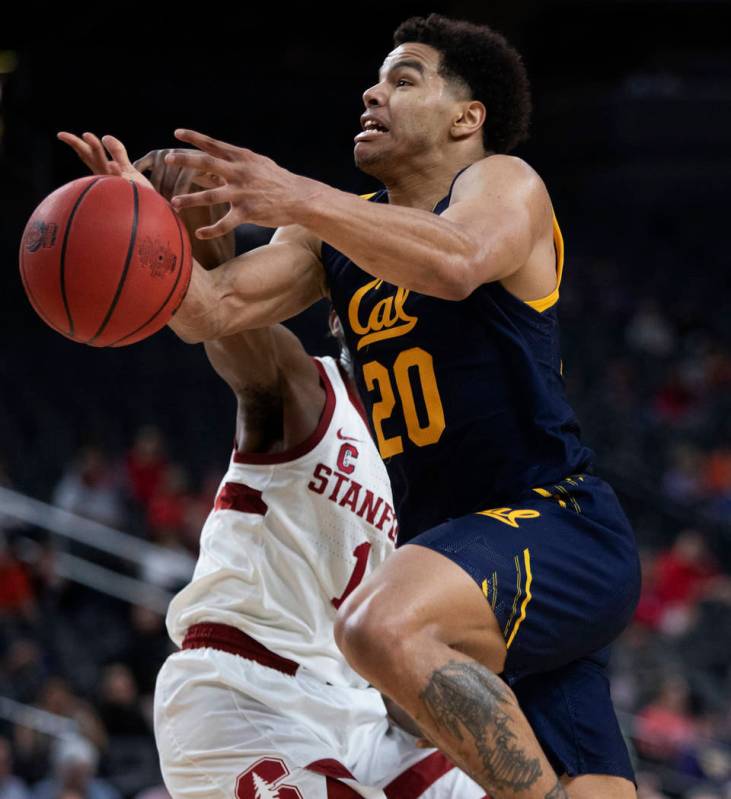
(259,701)
(514,557)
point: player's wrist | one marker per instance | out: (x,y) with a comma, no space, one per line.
(309,200)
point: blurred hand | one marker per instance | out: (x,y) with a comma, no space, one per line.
(258,189)
(169,179)
(92,152)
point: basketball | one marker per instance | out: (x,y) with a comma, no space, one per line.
(105,261)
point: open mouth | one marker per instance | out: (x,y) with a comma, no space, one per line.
(373,131)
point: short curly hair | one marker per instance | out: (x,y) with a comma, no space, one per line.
(479,60)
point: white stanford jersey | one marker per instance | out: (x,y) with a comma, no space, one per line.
(292,534)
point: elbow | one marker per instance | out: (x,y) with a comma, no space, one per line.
(186,333)
(458,282)
(189,338)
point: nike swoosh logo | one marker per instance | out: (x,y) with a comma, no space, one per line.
(346,438)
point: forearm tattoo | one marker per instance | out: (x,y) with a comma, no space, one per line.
(466,698)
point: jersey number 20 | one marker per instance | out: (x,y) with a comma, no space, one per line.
(376,374)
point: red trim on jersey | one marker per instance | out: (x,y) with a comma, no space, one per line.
(330,768)
(339,790)
(240,497)
(417,778)
(352,393)
(309,443)
(235,642)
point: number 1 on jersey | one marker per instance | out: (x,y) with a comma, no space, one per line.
(360,553)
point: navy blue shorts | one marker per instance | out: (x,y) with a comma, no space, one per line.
(560,570)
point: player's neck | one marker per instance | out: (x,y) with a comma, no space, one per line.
(423,189)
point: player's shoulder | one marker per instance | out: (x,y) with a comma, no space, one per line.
(497,172)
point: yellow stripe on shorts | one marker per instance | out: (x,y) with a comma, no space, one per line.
(526,599)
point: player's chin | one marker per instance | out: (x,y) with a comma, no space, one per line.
(369,152)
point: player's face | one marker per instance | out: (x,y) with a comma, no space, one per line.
(413,102)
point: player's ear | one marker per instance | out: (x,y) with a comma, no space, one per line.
(470,116)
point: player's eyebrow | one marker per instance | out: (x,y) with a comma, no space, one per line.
(406,62)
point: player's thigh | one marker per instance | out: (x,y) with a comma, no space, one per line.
(243,776)
(214,741)
(560,577)
(418,591)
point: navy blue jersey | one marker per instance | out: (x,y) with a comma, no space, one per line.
(466,399)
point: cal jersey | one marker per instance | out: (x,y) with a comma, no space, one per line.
(466,399)
(291,535)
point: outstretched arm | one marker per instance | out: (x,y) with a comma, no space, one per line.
(498,214)
(257,289)
(218,305)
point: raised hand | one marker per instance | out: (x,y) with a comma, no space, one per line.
(92,152)
(169,179)
(258,189)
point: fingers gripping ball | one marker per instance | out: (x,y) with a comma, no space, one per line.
(105,261)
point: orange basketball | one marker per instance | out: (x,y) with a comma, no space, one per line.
(105,261)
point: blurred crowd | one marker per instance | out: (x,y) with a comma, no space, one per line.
(80,655)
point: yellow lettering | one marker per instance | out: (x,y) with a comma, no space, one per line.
(387,318)
(424,363)
(381,315)
(375,373)
(508,516)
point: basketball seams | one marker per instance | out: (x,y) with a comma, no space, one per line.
(29,292)
(181,262)
(127,262)
(62,268)
(64,273)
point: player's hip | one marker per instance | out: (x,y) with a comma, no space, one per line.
(254,700)
(226,726)
(558,567)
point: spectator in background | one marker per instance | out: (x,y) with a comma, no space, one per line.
(682,481)
(23,673)
(32,748)
(708,759)
(75,763)
(171,566)
(199,506)
(664,727)
(16,591)
(148,647)
(56,697)
(119,705)
(685,571)
(717,472)
(648,786)
(145,464)
(676,399)
(90,488)
(10,787)
(649,332)
(167,508)
(674,581)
